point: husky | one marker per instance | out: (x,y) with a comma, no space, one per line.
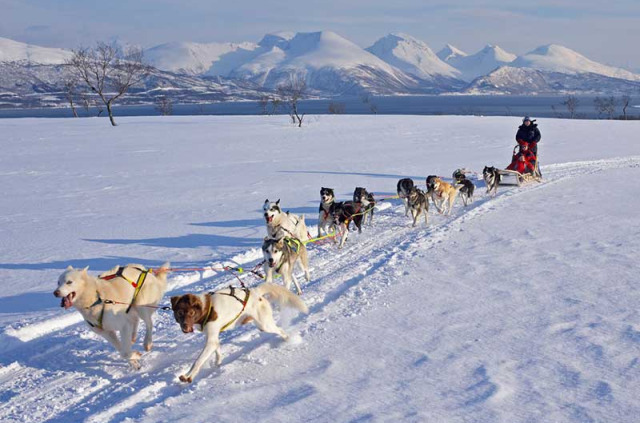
(281,255)
(104,303)
(418,204)
(443,196)
(466,190)
(325,220)
(403,189)
(224,309)
(292,224)
(343,213)
(431,179)
(491,178)
(367,201)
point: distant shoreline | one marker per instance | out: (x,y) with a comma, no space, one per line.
(495,105)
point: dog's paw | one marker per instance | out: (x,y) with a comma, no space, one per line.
(185,379)
(135,364)
(135,355)
(147,347)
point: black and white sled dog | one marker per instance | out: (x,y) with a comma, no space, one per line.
(418,205)
(468,187)
(278,221)
(343,213)
(365,198)
(325,219)
(404,188)
(466,191)
(491,178)
(281,255)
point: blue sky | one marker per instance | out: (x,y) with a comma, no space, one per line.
(608,32)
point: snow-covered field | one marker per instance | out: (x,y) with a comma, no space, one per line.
(519,308)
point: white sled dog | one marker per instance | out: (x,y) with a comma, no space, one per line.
(218,311)
(276,220)
(281,255)
(98,300)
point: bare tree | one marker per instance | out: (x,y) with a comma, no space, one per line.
(571,103)
(625,100)
(164,105)
(263,102)
(605,106)
(337,108)
(70,93)
(108,71)
(275,105)
(291,93)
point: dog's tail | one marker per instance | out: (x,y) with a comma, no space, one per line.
(282,296)
(162,271)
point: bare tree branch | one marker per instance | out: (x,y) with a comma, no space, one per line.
(108,71)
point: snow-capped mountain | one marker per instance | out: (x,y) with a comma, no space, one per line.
(328,62)
(481,63)
(556,58)
(411,56)
(509,80)
(450,52)
(192,58)
(15,51)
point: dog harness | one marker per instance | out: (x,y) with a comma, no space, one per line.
(232,293)
(136,285)
(293,245)
(97,325)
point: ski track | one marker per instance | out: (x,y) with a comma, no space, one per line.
(76,376)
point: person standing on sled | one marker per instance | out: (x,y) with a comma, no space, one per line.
(528,136)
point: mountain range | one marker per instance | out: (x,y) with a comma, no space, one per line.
(331,65)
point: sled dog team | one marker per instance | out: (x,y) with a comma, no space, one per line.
(115,301)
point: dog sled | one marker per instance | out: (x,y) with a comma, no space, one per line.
(524,167)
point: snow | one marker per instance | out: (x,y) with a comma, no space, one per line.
(15,51)
(449,52)
(481,63)
(313,51)
(411,56)
(193,58)
(521,307)
(556,58)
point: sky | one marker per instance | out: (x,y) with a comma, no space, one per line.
(607,32)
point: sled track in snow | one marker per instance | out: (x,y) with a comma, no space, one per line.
(76,376)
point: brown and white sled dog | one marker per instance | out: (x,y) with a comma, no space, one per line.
(325,219)
(403,189)
(292,224)
(281,255)
(225,309)
(97,298)
(418,204)
(443,196)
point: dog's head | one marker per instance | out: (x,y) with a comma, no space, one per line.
(360,195)
(488,172)
(327,195)
(71,284)
(430,182)
(272,250)
(271,210)
(414,194)
(458,176)
(436,183)
(188,310)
